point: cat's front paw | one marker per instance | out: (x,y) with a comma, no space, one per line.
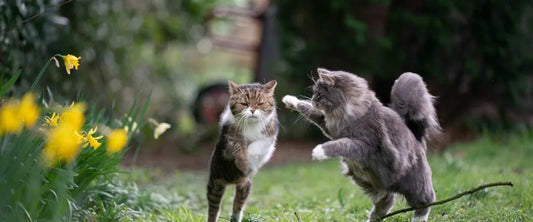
(319,153)
(290,101)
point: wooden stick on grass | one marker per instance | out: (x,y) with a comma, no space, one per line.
(459,195)
(297,217)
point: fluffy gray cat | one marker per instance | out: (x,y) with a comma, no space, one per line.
(383,149)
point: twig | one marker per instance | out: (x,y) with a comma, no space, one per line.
(297,217)
(38,14)
(471,191)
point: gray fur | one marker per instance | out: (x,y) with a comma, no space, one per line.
(377,148)
(410,99)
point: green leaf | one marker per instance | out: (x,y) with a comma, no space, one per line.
(10,83)
(43,70)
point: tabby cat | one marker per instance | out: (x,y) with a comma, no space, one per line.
(382,149)
(248,132)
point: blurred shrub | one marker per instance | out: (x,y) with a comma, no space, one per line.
(129,49)
(52,155)
(474,50)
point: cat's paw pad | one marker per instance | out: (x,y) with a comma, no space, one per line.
(290,101)
(319,153)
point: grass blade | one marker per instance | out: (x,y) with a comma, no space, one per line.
(43,70)
(339,196)
(9,83)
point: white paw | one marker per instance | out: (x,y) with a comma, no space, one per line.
(423,218)
(290,101)
(318,153)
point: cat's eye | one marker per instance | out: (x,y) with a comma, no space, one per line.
(244,104)
(260,104)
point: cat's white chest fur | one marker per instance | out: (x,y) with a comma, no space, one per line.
(259,152)
(260,148)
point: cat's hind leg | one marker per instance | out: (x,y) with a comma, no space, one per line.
(383,201)
(215,191)
(421,198)
(421,215)
(239,200)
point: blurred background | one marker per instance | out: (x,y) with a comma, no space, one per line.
(476,57)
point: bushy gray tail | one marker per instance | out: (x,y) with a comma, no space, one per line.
(411,99)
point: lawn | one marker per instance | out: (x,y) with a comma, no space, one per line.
(317,191)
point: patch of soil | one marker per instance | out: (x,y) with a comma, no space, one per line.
(170,157)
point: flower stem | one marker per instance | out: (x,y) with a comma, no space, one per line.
(43,70)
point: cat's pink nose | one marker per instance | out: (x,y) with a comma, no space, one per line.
(252,110)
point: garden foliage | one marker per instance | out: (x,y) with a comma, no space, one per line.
(55,154)
(478,51)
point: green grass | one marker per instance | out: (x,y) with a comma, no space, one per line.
(317,191)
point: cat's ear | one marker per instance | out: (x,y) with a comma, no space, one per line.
(323,71)
(233,88)
(270,86)
(326,76)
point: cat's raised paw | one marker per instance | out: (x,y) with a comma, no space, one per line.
(318,153)
(290,101)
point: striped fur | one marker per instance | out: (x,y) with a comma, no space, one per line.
(248,132)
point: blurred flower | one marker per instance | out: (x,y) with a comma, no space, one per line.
(81,139)
(74,115)
(9,118)
(116,140)
(133,125)
(53,120)
(28,111)
(62,144)
(160,128)
(15,114)
(71,62)
(92,141)
(64,141)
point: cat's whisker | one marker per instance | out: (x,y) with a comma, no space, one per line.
(279,124)
(310,76)
(308,88)
(351,115)
(246,143)
(307,98)
(300,117)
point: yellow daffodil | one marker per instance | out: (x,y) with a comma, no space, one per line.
(28,111)
(62,144)
(9,118)
(93,141)
(116,140)
(160,128)
(15,114)
(81,139)
(53,120)
(74,116)
(71,62)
